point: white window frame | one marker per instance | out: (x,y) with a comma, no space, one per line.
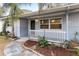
(61,20)
(49,25)
(44,19)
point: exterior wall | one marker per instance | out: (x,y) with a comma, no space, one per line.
(73,25)
(9,28)
(17,27)
(1,24)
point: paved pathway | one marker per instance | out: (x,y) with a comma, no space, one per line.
(16,48)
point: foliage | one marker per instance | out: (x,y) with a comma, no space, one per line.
(4,33)
(70,44)
(1,11)
(14,14)
(42,42)
(77,51)
(0,33)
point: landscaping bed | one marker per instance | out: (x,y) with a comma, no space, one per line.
(44,50)
(56,51)
(30,43)
(49,50)
(59,51)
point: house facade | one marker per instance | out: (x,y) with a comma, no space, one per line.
(59,23)
(56,24)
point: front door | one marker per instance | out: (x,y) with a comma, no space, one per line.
(24,27)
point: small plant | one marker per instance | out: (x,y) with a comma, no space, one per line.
(77,51)
(42,42)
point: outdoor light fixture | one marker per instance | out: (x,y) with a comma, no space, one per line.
(53,21)
(36,20)
(42,21)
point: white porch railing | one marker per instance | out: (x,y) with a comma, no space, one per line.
(53,35)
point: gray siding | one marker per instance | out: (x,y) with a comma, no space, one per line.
(73,25)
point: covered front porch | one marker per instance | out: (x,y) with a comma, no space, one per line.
(53,29)
(52,25)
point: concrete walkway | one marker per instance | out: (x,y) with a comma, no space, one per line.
(2,46)
(16,48)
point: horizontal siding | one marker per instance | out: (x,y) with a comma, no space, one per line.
(73,25)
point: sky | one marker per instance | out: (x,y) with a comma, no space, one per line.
(32,7)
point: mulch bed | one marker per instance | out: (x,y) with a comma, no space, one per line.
(59,51)
(44,50)
(47,51)
(30,43)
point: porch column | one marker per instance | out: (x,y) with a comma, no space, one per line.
(49,23)
(67,18)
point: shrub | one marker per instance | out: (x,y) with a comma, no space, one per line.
(0,33)
(70,44)
(4,33)
(77,51)
(42,42)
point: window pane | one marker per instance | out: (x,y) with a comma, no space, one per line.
(44,24)
(55,24)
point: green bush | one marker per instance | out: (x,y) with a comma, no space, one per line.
(0,33)
(4,33)
(77,51)
(42,42)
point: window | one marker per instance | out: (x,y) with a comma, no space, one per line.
(55,24)
(44,24)
(51,24)
(32,24)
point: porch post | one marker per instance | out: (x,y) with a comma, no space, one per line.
(67,18)
(49,23)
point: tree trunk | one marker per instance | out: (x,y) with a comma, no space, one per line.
(13,18)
